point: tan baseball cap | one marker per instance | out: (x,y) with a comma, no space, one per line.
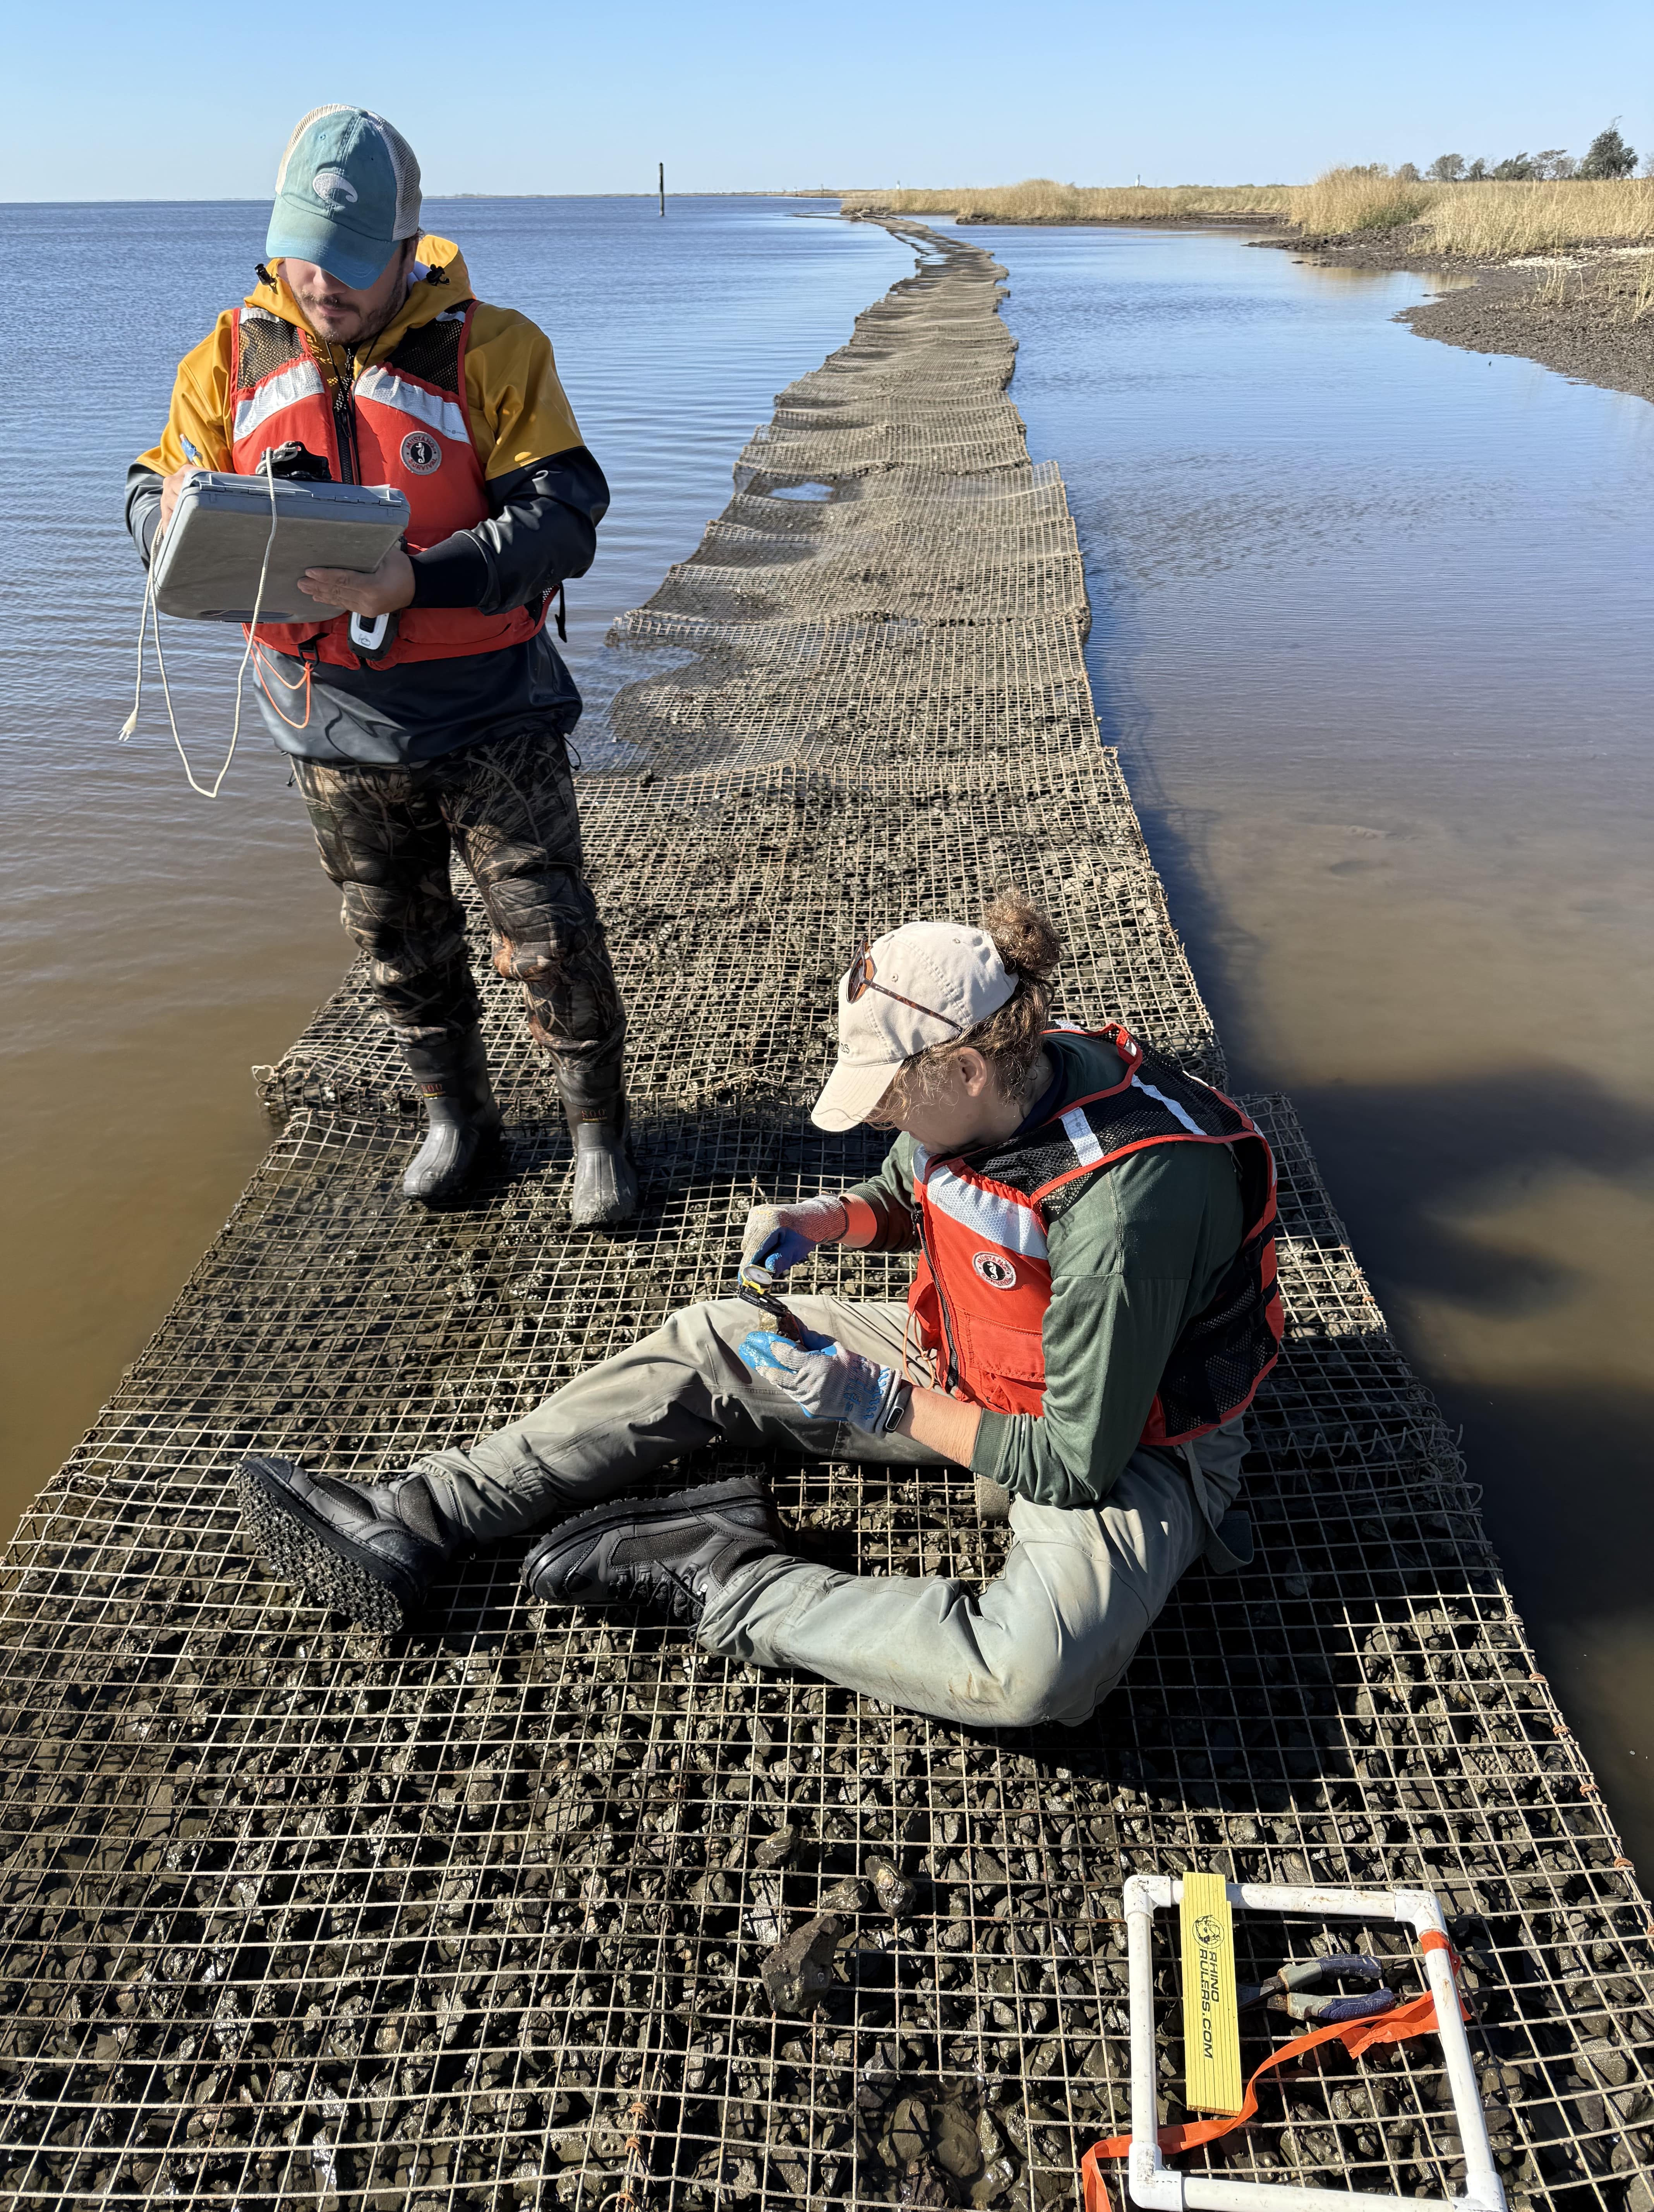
(924,984)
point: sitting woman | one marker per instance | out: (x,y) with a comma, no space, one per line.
(1093,1307)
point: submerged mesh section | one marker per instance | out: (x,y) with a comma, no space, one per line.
(474,1919)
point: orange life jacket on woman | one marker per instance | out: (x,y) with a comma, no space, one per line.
(983,1282)
(412,431)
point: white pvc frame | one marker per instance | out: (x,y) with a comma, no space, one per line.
(1160,2188)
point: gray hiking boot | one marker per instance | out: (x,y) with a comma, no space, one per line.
(592,1087)
(370,1550)
(462,1118)
(674,1554)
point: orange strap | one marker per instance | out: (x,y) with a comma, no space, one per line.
(1418,2018)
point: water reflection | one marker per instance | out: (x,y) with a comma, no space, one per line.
(1370,629)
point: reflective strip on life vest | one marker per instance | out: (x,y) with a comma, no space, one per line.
(1087,1149)
(386,388)
(986,1213)
(1170,1104)
(285,389)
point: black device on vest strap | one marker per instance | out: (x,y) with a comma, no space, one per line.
(294,463)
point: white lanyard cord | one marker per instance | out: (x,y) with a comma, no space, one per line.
(150,617)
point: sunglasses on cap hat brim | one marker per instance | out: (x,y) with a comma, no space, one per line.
(860,979)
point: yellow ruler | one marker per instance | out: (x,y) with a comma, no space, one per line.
(1211,2016)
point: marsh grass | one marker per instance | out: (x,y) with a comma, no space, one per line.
(1628,289)
(1479,222)
(1560,285)
(1040,199)
(1346,200)
(1485,222)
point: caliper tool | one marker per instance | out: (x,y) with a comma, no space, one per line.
(757,1288)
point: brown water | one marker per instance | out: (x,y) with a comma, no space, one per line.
(1373,633)
(1371,627)
(153,947)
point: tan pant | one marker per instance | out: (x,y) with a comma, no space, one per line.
(1046,1640)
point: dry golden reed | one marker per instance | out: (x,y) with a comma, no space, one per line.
(1481,222)
(1039,200)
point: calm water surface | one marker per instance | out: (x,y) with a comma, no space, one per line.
(152,947)
(1371,631)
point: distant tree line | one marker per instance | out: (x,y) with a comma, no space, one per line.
(1607,156)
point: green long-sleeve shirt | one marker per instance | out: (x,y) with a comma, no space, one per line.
(1135,1257)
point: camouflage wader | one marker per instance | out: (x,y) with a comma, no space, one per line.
(507,808)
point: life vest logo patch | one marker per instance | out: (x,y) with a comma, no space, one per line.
(996,1271)
(421,453)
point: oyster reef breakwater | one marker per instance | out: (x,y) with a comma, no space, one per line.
(476,1919)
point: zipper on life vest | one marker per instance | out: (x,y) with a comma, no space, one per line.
(344,420)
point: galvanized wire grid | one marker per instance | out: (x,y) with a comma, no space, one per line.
(295,1916)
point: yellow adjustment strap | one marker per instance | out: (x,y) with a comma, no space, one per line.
(1211,2013)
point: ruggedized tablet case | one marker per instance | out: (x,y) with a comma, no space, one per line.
(210,557)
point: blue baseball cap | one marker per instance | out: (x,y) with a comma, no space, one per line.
(347,193)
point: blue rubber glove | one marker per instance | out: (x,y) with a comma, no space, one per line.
(827,1383)
(777,1237)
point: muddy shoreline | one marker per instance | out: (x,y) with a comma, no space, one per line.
(1510,307)
(1581,337)
(1570,312)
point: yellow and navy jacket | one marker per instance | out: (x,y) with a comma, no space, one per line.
(542,496)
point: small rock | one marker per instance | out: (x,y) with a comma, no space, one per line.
(800,1968)
(879,2077)
(910,2132)
(895,1893)
(849,1895)
(993,2182)
(775,1850)
(923,2184)
(954,2143)
(1607,2061)
(988,2137)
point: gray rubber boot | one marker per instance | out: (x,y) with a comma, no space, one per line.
(461,1114)
(367,1549)
(672,1554)
(592,1087)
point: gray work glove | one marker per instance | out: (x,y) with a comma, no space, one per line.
(777,1237)
(827,1383)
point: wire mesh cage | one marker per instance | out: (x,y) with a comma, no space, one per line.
(487,1916)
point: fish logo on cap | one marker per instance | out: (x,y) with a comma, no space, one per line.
(336,189)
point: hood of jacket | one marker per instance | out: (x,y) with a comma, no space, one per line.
(443,283)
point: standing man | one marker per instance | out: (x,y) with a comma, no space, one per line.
(363,354)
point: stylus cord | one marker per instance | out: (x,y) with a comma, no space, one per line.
(148,618)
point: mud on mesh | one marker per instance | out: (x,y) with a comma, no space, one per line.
(295,1917)
(476,1918)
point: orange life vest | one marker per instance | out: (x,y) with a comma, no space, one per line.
(984,1281)
(412,430)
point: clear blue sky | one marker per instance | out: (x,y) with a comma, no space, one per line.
(178,99)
